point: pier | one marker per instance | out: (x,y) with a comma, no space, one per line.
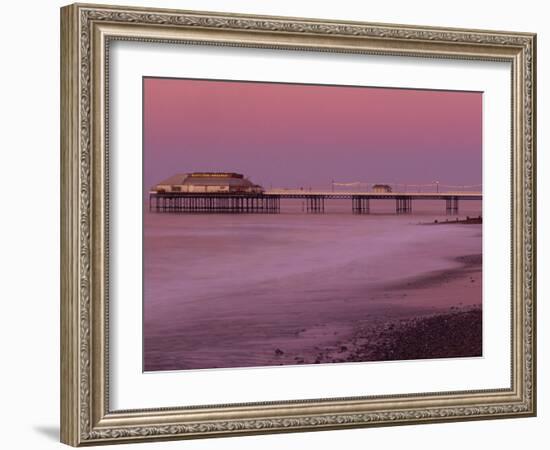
(269,202)
(233,193)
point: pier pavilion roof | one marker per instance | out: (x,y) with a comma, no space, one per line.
(208,179)
(217,181)
(174,179)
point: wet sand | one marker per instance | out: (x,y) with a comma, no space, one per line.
(451,329)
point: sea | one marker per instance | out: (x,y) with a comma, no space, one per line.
(233,290)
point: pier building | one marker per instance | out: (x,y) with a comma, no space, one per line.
(381,188)
(209,183)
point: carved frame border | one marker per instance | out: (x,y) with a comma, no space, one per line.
(86,31)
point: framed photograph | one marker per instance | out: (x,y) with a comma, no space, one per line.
(275,224)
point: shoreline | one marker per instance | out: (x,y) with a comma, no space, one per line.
(413,328)
(470,265)
(454,334)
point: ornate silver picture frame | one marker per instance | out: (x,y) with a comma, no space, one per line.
(87,32)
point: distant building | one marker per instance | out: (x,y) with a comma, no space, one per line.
(384,188)
(209,182)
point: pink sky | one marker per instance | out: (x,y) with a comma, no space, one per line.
(293,135)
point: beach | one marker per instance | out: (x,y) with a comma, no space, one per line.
(452,329)
(224,291)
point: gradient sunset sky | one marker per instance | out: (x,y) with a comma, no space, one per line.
(295,135)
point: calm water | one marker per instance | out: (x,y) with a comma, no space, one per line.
(226,290)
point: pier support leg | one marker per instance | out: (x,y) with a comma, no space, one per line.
(213,203)
(314,204)
(398,205)
(452,206)
(403,205)
(360,205)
